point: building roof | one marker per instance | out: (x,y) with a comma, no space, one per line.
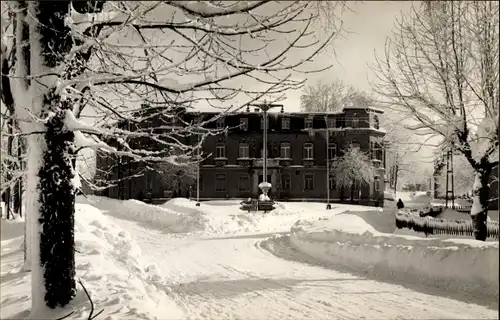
(295,113)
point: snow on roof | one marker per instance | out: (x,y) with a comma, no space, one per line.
(378,110)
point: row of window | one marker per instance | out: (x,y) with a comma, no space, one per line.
(285,150)
(286,182)
(308,123)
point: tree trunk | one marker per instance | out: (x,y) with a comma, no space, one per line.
(50,190)
(53,205)
(9,167)
(396,170)
(479,210)
(18,194)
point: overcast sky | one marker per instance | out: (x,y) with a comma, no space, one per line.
(369,23)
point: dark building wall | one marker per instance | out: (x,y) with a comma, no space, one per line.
(235,169)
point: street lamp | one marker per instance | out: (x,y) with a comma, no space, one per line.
(198,172)
(327,130)
(265,185)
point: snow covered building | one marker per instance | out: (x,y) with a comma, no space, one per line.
(296,156)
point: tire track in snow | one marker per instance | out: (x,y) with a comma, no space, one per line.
(234,278)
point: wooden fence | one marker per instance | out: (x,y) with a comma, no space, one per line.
(441,226)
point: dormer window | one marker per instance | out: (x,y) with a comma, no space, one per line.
(285,123)
(244,124)
(376,122)
(220,123)
(308,123)
(355,120)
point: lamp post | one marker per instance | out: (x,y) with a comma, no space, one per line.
(198,172)
(265,185)
(327,130)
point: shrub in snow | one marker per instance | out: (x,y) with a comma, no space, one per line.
(430,225)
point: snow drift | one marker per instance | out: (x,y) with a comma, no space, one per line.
(109,264)
(226,217)
(159,217)
(456,265)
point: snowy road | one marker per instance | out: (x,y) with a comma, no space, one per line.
(234,278)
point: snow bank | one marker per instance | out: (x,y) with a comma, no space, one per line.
(227,217)
(160,217)
(181,215)
(457,265)
(109,264)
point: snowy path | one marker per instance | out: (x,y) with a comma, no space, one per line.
(234,278)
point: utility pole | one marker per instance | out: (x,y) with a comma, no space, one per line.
(450,185)
(396,170)
(129,170)
(327,130)
(198,172)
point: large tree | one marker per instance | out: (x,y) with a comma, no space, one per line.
(65,62)
(353,170)
(441,67)
(332,97)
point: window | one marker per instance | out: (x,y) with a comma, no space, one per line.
(331,183)
(285,123)
(376,122)
(355,120)
(308,123)
(220,150)
(244,151)
(220,123)
(376,150)
(285,181)
(356,145)
(308,151)
(331,123)
(244,124)
(377,183)
(285,150)
(332,151)
(380,151)
(308,181)
(220,182)
(244,183)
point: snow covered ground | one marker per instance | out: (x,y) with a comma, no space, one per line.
(109,264)
(452,265)
(217,262)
